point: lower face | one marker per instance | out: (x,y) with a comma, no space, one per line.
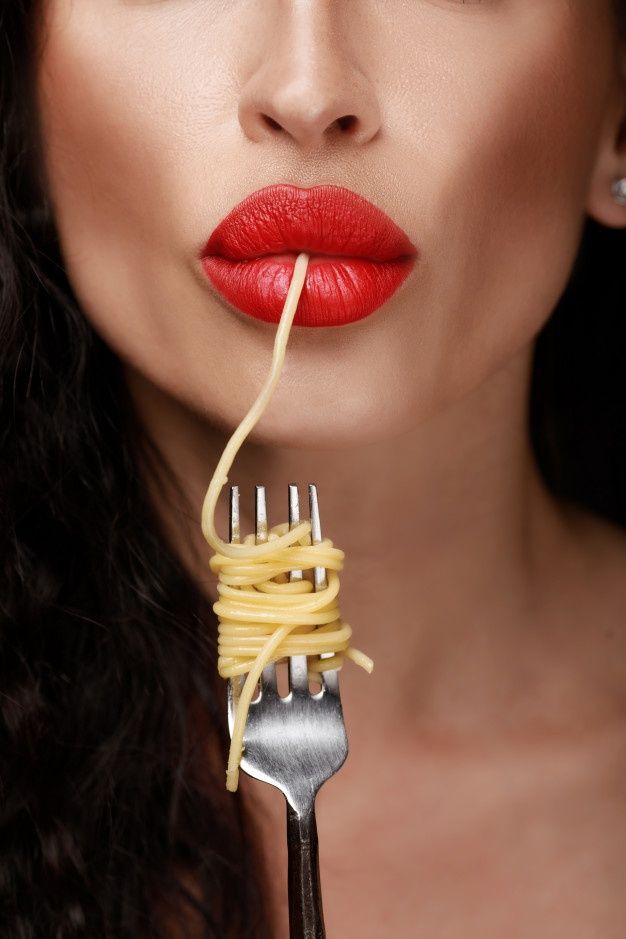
(484,119)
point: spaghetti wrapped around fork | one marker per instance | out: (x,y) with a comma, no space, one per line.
(263,616)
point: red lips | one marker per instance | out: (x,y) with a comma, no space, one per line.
(359,256)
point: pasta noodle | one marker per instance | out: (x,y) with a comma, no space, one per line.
(263,617)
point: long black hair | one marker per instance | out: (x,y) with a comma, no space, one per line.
(112,817)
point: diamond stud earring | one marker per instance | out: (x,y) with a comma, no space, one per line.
(618,190)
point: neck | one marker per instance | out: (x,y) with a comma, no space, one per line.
(447,530)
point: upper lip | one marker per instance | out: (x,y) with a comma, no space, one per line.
(322,220)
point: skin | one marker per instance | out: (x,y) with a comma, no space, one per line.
(488,131)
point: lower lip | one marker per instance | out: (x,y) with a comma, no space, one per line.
(337,290)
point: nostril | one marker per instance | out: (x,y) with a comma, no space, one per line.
(347,122)
(271,122)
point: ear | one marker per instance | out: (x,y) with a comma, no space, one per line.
(610,160)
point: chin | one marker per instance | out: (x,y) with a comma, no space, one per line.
(327,429)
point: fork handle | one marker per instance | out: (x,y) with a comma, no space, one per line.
(306,918)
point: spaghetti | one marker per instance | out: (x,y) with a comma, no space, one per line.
(263,617)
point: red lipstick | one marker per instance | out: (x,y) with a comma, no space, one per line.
(359,256)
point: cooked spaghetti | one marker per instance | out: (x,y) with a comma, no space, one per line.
(263,616)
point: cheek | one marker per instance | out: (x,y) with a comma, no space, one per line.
(530,141)
(94,117)
(129,155)
(133,100)
(106,157)
(521,138)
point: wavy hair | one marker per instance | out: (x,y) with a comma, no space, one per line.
(110,806)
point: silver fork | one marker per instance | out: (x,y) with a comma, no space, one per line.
(294,743)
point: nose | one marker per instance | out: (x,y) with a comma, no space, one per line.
(307,86)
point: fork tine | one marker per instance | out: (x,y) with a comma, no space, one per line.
(233,517)
(269,684)
(298,664)
(260,515)
(330,678)
(234,684)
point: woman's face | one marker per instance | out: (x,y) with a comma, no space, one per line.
(484,128)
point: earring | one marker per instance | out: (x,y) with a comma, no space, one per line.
(618,190)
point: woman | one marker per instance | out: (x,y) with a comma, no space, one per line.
(484,563)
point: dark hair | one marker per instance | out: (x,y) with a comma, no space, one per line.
(107,646)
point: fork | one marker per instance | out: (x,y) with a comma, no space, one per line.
(297,742)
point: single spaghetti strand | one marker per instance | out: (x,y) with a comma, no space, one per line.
(227,458)
(264,617)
